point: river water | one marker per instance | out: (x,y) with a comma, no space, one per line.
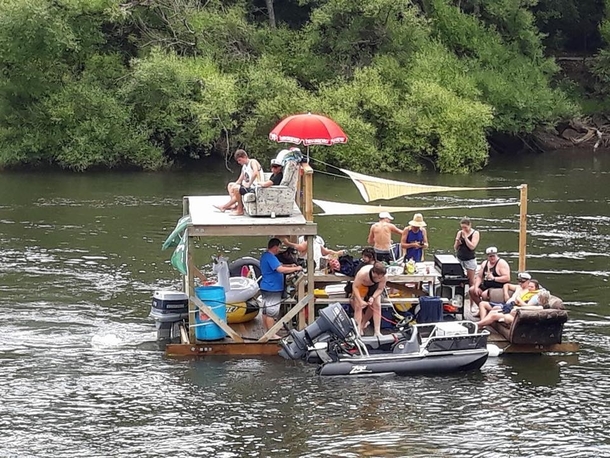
(82,376)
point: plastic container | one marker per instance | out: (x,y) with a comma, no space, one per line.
(213,297)
(451,329)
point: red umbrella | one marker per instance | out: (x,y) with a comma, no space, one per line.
(309,129)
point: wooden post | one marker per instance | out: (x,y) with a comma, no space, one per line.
(188,282)
(308,192)
(522,227)
(210,313)
(189,287)
(286,318)
(301,295)
(310,279)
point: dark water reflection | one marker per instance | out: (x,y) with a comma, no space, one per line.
(81,375)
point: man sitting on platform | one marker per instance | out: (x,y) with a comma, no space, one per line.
(494,272)
(369,285)
(249,176)
(272,282)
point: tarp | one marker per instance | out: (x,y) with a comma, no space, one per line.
(373,188)
(340,208)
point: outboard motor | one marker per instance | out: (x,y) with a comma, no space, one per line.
(332,320)
(169,309)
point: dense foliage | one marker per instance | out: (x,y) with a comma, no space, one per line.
(147,83)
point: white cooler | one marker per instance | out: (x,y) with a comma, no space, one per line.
(448,329)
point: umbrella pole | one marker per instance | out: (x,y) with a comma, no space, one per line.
(308,154)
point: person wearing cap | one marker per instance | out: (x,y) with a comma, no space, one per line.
(277,174)
(522,279)
(466,241)
(532,296)
(414,239)
(380,237)
(522,289)
(494,272)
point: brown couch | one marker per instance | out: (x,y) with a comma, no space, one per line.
(533,326)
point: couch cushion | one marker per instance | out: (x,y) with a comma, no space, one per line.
(291,174)
(249,197)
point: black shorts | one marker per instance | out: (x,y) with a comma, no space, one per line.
(383,256)
(243,190)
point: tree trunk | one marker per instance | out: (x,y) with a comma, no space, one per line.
(271,13)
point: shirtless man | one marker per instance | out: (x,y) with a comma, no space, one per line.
(494,272)
(369,285)
(380,236)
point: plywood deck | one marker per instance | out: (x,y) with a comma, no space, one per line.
(208,221)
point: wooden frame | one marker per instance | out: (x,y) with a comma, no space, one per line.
(207,223)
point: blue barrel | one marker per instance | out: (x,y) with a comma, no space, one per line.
(213,297)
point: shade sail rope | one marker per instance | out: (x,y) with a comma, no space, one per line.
(340,208)
(374,188)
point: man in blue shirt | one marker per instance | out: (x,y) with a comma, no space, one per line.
(272,282)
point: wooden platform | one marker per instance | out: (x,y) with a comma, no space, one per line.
(209,221)
(253,330)
(509,348)
(223,348)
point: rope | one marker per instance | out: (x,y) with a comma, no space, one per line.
(348,178)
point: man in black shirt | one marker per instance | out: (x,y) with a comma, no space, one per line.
(276,174)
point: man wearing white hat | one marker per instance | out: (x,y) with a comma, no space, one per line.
(511,293)
(494,272)
(277,174)
(380,237)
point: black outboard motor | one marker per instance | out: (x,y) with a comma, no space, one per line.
(169,309)
(332,320)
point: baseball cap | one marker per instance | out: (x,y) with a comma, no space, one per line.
(491,250)
(524,276)
(276,162)
(385,215)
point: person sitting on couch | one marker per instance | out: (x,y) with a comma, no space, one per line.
(506,312)
(517,291)
(510,290)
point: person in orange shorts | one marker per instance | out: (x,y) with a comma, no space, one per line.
(369,285)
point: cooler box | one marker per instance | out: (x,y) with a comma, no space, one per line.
(449,329)
(430,310)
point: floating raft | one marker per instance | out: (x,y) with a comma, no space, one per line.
(227,347)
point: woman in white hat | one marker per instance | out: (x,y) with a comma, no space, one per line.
(415,239)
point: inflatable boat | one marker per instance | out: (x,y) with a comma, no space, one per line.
(333,343)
